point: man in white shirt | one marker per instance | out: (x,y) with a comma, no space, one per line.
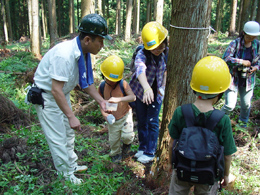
(61,69)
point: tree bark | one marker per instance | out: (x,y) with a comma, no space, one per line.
(99,7)
(36,49)
(128,20)
(158,11)
(253,10)
(4,21)
(72,16)
(192,44)
(258,12)
(118,17)
(87,7)
(52,22)
(29,3)
(136,17)
(219,15)
(232,27)
(148,11)
(9,22)
(245,14)
(44,21)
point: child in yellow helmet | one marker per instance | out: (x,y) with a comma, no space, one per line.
(210,79)
(120,120)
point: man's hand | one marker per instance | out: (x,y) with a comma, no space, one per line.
(252,69)
(225,181)
(74,123)
(246,63)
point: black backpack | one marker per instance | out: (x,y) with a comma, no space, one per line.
(148,57)
(197,155)
(102,87)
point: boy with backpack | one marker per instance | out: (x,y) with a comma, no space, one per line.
(119,94)
(201,141)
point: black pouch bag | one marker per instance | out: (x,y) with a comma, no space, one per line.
(35,96)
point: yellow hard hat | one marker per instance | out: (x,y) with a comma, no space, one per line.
(153,34)
(113,68)
(210,76)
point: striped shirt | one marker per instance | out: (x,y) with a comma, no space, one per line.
(153,72)
(234,55)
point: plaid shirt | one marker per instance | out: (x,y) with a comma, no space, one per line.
(232,56)
(152,71)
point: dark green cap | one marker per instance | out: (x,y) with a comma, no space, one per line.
(94,24)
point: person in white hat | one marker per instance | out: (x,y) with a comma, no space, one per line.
(243,61)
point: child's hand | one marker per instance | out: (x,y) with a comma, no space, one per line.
(114,100)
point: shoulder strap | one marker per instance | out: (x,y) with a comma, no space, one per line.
(211,122)
(214,118)
(121,84)
(101,87)
(188,114)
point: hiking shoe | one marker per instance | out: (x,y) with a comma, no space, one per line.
(125,150)
(145,159)
(139,153)
(73,179)
(80,168)
(117,158)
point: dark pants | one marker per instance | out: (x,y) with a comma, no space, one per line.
(148,126)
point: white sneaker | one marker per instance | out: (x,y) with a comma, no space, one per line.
(139,153)
(73,179)
(145,159)
(80,168)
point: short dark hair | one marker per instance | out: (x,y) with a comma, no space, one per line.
(82,35)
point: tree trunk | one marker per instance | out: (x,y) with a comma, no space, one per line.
(192,44)
(52,22)
(253,10)
(239,15)
(128,20)
(104,7)
(219,15)
(36,49)
(136,16)
(118,17)
(44,21)
(158,11)
(258,12)
(59,16)
(87,7)
(148,11)
(72,16)
(4,21)
(232,27)
(245,14)
(29,3)
(99,7)
(9,22)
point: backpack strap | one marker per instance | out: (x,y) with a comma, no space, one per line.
(121,84)
(211,122)
(101,87)
(188,114)
(214,118)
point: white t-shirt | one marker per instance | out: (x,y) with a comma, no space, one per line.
(59,63)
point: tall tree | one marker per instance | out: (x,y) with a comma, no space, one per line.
(158,11)
(258,12)
(52,22)
(9,21)
(118,17)
(253,10)
(148,11)
(35,38)
(99,7)
(232,27)
(219,15)
(72,16)
(4,21)
(128,20)
(245,14)
(180,67)
(29,3)
(87,7)
(136,17)
(44,20)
